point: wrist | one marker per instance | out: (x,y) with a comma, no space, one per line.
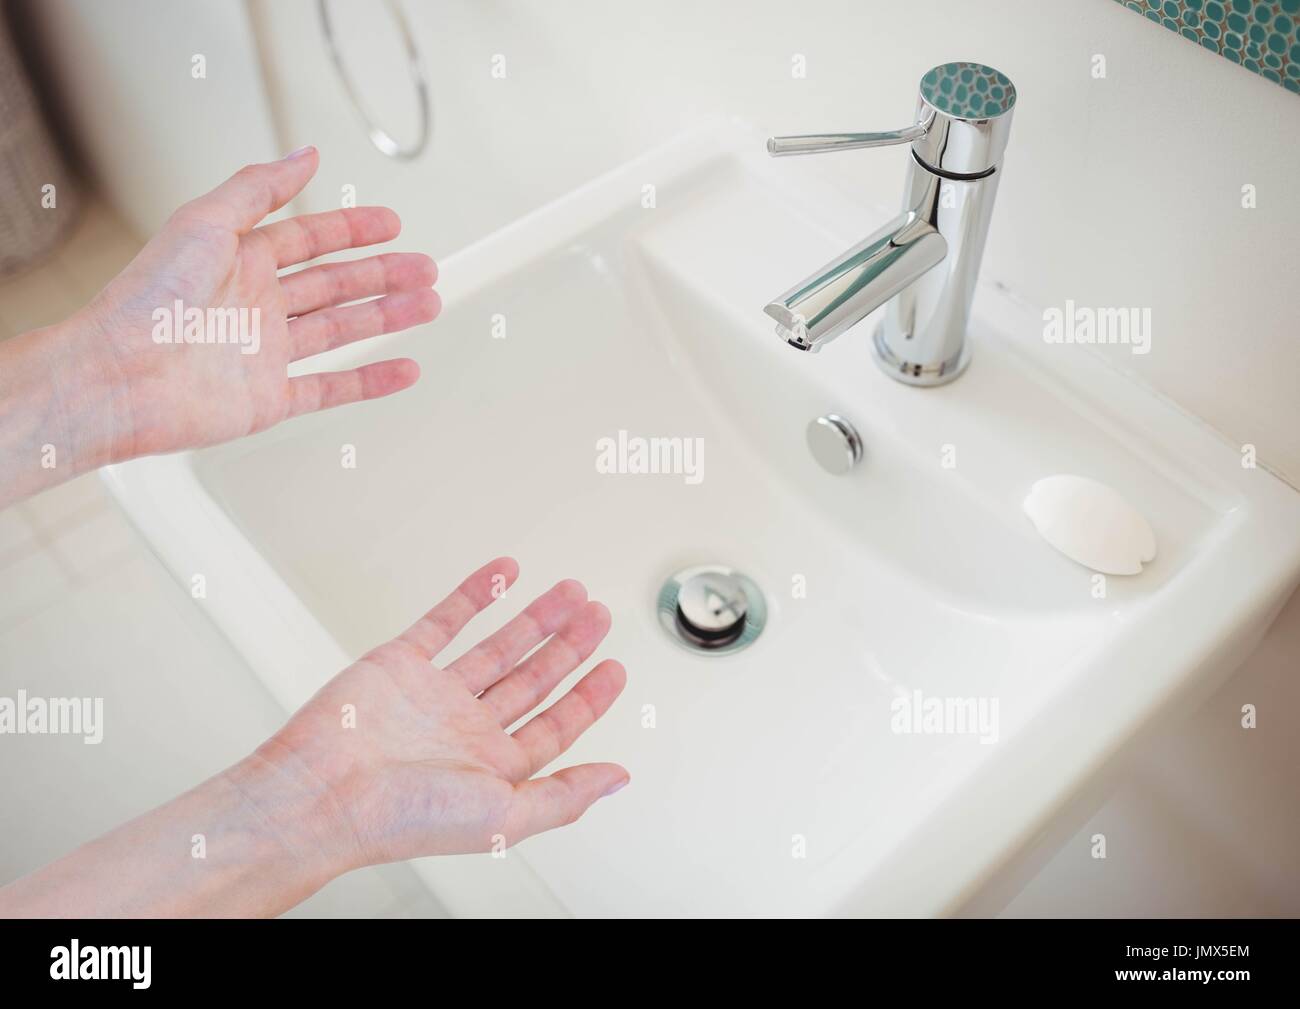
(303,838)
(96,397)
(242,844)
(63,410)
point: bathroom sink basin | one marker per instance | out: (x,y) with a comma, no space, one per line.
(777,779)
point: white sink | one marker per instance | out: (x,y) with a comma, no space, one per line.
(919,577)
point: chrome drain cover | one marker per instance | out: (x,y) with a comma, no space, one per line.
(712,609)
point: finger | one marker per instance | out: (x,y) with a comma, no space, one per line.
(317,332)
(559,799)
(326,389)
(527,685)
(493,657)
(310,235)
(254,191)
(336,283)
(545,736)
(431,633)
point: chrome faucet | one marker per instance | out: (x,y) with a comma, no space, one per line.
(924,262)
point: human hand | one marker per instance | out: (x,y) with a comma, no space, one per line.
(427,768)
(430,767)
(108,384)
(211,254)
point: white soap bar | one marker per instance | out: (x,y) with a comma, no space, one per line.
(1090,523)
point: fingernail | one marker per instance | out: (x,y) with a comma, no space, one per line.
(297,154)
(614,788)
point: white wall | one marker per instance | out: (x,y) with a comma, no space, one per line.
(148,132)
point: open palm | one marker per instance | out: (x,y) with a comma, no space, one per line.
(417,760)
(211,254)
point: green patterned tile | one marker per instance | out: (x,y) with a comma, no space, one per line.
(1262,35)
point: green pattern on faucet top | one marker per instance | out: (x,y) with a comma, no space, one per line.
(968,90)
(1262,35)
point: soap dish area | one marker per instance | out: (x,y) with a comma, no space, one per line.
(1091,523)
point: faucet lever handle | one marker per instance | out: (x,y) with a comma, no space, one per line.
(824,143)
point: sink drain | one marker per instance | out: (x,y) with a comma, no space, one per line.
(712,609)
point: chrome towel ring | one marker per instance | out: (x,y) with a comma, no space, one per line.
(380,137)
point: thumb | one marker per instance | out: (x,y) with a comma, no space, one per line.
(560,798)
(239,203)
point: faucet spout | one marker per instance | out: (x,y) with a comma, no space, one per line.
(849,288)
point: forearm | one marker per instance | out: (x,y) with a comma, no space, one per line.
(62,410)
(242,844)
